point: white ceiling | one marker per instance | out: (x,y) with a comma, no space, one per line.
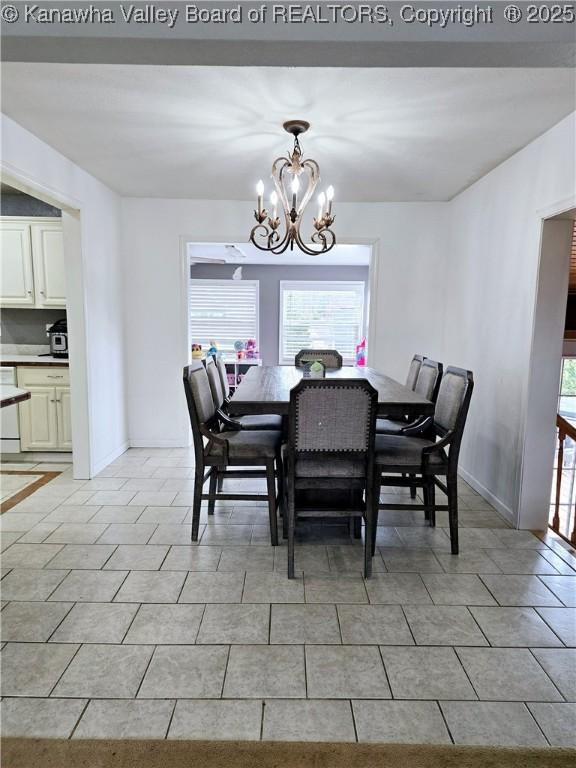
(212,132)
(340,255)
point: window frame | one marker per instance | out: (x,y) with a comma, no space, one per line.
(317,285)
(229,282)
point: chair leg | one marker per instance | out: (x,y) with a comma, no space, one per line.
(291,515)
(197,501)
(453,513)
(432,502)
(220,483)
(357,527)
(368,538)
(271,483)
(375,502)
(426,497)
(412,487)
(281,494)
(212,491)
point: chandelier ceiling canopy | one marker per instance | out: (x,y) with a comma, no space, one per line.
(295,180)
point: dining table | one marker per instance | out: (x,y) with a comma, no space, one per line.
(266,389)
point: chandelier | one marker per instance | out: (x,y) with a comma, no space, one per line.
(295,181)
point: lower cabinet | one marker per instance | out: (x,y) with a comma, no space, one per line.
(45,421)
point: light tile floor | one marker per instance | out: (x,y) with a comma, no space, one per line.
(116,626)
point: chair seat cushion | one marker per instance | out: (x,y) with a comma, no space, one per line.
(330,466)
(389,427)
(265,421)
(247,444)
(401,451)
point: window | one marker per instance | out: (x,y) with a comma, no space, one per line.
(319,315)
(223,310)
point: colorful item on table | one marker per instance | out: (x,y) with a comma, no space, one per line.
(196,351)
(213,351)
(239,347)
(361,353)
(251,349)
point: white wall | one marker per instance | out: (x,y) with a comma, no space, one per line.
(405,307)
(94,287)
(491,282)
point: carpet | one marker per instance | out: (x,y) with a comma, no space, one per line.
(55,753)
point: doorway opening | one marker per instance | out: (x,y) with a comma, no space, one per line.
(545,399)
(260,309)
(37,432)
(562,517)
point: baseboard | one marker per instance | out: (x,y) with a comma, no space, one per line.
(158,444)
(498,505)
(122,448)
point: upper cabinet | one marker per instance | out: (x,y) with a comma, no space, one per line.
(17,285)
(48,263)
(32,263)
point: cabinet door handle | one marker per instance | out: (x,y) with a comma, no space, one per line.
(29,293)
(51,376)
(52,401)
(42,292)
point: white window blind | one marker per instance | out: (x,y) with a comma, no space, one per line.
(224,311)
(320,315)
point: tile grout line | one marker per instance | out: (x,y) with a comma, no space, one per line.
(443,716)
(68,612)
(455,650)
(537,660)
(67,667)
(220,698)
(132,620)
(135,697)
(353,720)
(379,647)
(477,623)
(550,627)
(531,714)
(262,712)
(171,718)
(73,731)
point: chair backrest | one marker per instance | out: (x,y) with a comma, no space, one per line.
(330,357)
(201,407)
(452,405)
(221,365)
(215,382)
(333,416)
(414,370)
(429,378)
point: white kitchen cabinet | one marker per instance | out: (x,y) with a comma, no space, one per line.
(63,418)
(48,263)
(38,420)
(16,264)
(45,421)
(32,262)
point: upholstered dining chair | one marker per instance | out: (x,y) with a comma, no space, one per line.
(217,449)
(414,370)
(427,459)
(330,357)
(330,450)
(427,384)
(221,395)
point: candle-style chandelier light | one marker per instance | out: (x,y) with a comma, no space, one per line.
(295,180)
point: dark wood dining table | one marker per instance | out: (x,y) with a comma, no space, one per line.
(266,389)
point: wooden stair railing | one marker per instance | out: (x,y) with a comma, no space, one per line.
(565,429)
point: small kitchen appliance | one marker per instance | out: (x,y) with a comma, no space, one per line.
(59,339)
